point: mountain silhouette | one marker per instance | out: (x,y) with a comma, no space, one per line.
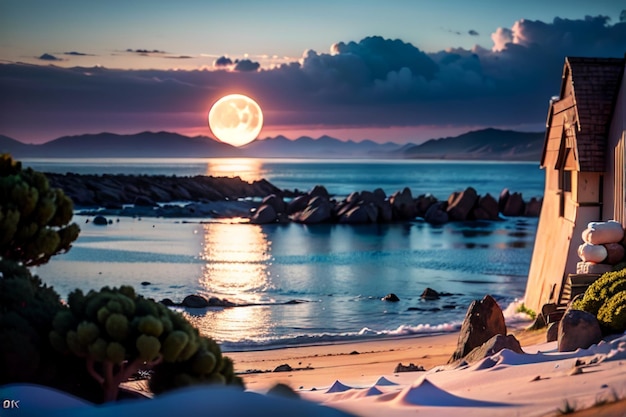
(486,144)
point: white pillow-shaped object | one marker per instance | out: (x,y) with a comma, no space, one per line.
(598,233)
(592,253)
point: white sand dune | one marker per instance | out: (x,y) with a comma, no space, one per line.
(537,383)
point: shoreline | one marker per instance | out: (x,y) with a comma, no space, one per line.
(317,366)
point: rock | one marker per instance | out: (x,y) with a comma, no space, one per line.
(578,329)
(219,302)
(436,214)
(385,212)
(461,204)
(283,368)
(408,368)
(318,211)
(615,253)
(275,202)
(514,206)
(195,301)
(100,221)
(298,204)
(402,205)
(486,208)
(283,390)
(143,201)
(552,335)
(319,191)
(483,320)
(423,203)
(533,208)
(391,297)
(356,215)
(502,199)
(168,302)
(493,346)
(144,283)
(264,215)
(430,294)
(592,268)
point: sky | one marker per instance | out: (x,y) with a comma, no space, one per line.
(393,70)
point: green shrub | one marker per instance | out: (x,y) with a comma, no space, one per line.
(601,290)
(612,314)
(118,332)
(34,218)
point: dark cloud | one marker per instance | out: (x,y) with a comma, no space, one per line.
(74,53)
(222,62)
(145,51)
(49,57)
(178,57)
(246,65)
(472,32)
(375,82)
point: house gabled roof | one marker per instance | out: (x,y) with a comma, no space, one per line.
(595,83)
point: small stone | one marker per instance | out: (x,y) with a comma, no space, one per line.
(100,220)
(391,297)
(283,368)
(144,283)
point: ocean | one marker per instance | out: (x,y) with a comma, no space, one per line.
(310,283)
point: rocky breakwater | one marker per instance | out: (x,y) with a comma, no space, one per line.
(317,206)
(115,191)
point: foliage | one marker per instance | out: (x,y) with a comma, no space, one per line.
(612,314)
(34,218)
(206,366)
(525,310)
(118,332)
(26,306)
(606,299)
(26,310)
(601,290)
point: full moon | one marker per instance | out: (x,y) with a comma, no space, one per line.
(236,119)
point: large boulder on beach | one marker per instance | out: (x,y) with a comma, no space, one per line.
(100,220)
(578,330)
(483,320)
(264,215)
(493,346)
(461,204)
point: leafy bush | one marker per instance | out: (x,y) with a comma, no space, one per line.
(118,332)
(601,290)
(26,306)
(612,314)
(33,217)
(606,299)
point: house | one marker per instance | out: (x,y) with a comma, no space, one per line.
(584,159)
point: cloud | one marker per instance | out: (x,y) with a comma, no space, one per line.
(246,65)
(74,53)
(145,52)
(222,62)
(48,57)
(374,82)
(472,32)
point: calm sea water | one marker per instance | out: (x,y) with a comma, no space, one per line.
(338,273)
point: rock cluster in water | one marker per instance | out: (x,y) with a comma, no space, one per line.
(114,191)
(317,206)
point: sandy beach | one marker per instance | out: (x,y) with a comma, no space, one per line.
(319,366)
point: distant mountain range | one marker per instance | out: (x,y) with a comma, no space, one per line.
(486,144)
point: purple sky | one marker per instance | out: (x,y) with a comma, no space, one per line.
(373,81)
